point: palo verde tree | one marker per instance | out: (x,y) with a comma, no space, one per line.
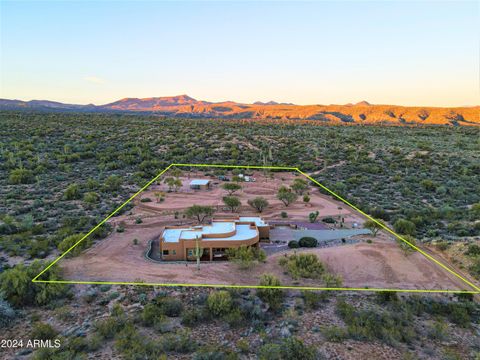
(231,188)
(199,212)
(232,203)
(286,195)
(373,226)
(259,203)
(299,186)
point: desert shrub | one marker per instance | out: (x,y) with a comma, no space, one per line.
(313,299)
(291,348)
(43,331)
(329,220)
(403,226)
(180,342)
(293,244)
(284,215)
(389,327)
(17,288)
(303,265)
(335,333)
(145,199)
(152,315)
(473,250)
(192,317)
(72,192)
(272,296)
(214,352)
(71,240)
(270,351)
(7,314)
(219,303)
(169,306)
(246,256)
(21,176)
(307,242)
(109,327)
(386,296)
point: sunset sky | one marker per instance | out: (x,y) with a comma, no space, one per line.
(307,53)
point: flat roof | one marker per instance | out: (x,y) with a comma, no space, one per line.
(199,182)
(242,232)
(255,219)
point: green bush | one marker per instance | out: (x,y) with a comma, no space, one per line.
(21,176)
(7,314)
(17,288)
(169,306)
(219,302)
(293,244)
(43,331)
(71,240)
(246,256)
(308,242)
(272,296)
(303,265)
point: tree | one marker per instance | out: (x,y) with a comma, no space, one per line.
(269,294)
(199,212)
(232,202)
(259,203)
(306,198)
(17,288)
(231,187)
(173,183)
(403,226)
(299,186)
(312,217)
(287,197)
(373,226)
(407,249)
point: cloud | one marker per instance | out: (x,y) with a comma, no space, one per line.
(94,80)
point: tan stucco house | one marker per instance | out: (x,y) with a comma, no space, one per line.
(179,242)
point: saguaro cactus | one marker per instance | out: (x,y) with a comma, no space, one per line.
(198,252)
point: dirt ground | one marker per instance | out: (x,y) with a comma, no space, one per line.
(264,186)
(380,264)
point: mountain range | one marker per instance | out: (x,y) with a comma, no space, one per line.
(188,107)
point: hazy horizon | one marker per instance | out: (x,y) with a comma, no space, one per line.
(407,54)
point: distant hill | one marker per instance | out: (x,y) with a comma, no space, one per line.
(186,106)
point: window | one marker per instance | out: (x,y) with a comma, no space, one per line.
(190,252)
(174,252)
(165,252)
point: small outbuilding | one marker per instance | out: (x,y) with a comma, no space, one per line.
(200,184)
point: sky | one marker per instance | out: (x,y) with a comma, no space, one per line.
(402,53)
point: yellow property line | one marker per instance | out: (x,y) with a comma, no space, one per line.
(255,286)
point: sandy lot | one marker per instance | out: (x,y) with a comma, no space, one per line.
(380,264)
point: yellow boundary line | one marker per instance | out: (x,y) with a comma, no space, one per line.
(35,279)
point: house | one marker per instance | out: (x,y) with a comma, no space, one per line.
(200,184)
(180,242)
